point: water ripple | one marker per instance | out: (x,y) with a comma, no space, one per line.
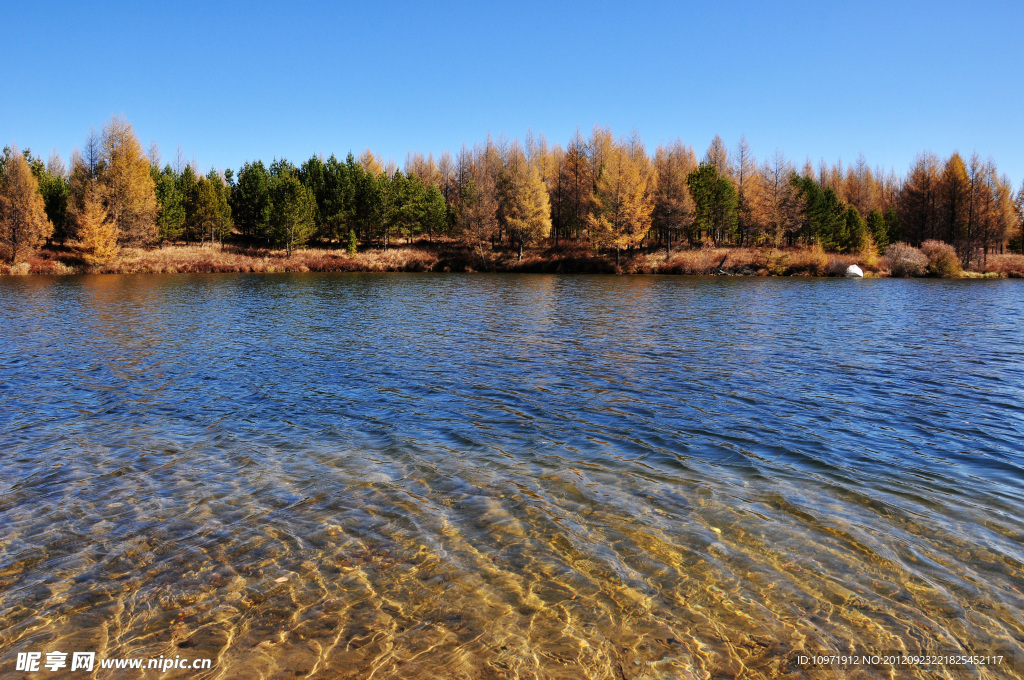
(511,476)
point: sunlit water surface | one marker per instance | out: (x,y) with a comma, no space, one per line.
(511,476)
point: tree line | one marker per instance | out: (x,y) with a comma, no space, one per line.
(600,191)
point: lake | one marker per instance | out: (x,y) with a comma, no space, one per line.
(491,476)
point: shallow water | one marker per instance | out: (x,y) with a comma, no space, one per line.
(511,476)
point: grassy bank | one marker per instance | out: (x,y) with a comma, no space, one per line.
(454,257)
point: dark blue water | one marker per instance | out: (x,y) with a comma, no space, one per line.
(511,476)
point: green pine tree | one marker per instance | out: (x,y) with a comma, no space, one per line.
(250,202)
(893,230)
(825,219)
(878,229)
(856,232)
(170,215)
(716,205)
(292,211)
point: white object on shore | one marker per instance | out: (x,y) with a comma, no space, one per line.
(855,271)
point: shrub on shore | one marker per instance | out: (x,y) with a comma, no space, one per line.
(1009,265)
(903,259)
(942,259)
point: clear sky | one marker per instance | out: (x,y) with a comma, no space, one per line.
(237,81)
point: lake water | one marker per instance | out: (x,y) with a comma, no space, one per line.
(484,476)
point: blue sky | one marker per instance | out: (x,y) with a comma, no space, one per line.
(237,81)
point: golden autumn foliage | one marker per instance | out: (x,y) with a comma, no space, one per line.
(673,206)
(97,232)
(370,163)
(622,202)
(127,186)
(23,221)
(576,186)
(596,195)
(524,209)
(80,179)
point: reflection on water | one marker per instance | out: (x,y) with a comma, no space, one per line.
(511,477)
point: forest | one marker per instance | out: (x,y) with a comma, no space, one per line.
(599,195)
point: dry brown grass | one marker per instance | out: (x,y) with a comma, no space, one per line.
(213,259)
(450,256)
(700,261)
(750,262)
(811,261)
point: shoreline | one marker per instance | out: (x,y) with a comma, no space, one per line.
(456,258)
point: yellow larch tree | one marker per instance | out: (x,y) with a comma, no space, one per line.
(673,206)
(524,208)
(23,221)
(128,188)
(954,206)
(370,163)
(97,232)
(622,210)
(577,184)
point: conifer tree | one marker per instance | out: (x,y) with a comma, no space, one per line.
(578,186)
(478,213)
(825,216)
(212,214)
(745,174)
(893,229)
(1018,208)
(187,184)
(919,202)
(434,214)
(291,211)
(79,181)
(128,188)
(23,221)
(250,201)
(715,201)
(170,218)
(598,147)
(54,188)
(370,163)
(622,203)
(856,236)
(778,198)
(996,219)
(313,175)
(365,211)
(673,206)
(524,211)
(333,190)
(97,232)
(717,156)
(408,205)
(954,205)
(878,230)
